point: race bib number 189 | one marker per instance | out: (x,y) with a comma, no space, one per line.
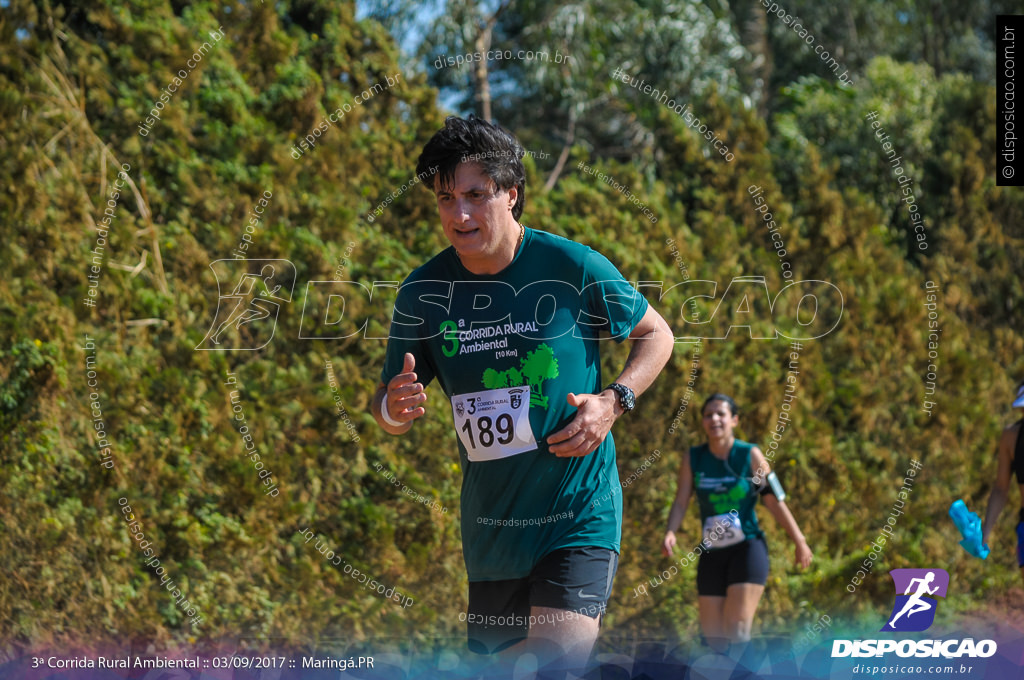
(494,424)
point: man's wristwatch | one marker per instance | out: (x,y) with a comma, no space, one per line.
(627,400)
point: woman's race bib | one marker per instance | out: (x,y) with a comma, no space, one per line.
(494,424)
(721,531)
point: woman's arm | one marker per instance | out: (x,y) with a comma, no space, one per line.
(684,489)
(780,511)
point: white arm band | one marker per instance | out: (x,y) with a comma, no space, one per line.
(775,486)
(387,416)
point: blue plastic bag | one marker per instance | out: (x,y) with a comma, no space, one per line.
(969,525)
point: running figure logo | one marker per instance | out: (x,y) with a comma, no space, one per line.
(914,610)
(252,306)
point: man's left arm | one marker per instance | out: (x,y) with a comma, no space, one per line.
(652,344)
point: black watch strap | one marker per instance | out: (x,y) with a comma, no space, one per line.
(627,399)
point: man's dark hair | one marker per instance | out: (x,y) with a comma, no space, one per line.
(473,139)
(718,396)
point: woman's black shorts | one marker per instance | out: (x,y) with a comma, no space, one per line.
(746,562)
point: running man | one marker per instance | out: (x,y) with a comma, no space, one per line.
(1011,463)
(915,604)
(510,321)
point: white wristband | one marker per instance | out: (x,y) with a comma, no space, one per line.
(387,416)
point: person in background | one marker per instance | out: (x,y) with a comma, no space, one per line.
(1011,464)
(727,476)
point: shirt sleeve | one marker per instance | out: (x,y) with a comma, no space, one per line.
(610,302)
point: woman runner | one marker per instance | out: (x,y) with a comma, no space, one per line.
(728,475)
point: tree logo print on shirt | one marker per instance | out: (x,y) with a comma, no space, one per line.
(537,366)
(723,502)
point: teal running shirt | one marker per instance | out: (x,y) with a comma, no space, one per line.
(507,349)
(724,487)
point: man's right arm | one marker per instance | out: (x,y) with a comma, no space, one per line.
(402,396)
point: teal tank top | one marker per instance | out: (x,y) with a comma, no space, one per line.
(723,487)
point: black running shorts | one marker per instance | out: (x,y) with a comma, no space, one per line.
(746,562)
(576,580)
